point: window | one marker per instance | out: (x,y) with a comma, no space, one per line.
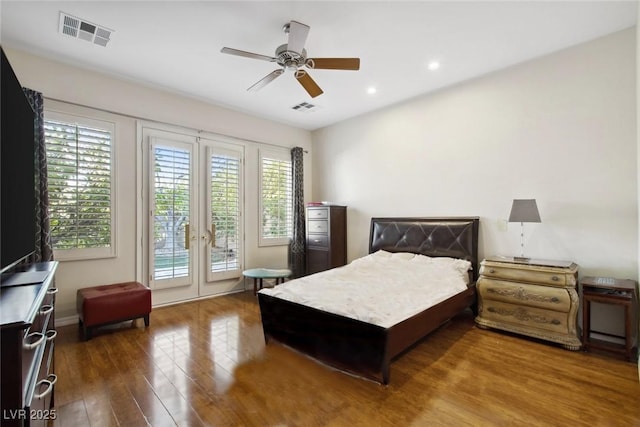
(276,201)
(80,185)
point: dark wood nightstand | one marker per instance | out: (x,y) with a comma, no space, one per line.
(607,290)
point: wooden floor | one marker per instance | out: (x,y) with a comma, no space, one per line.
(205,364)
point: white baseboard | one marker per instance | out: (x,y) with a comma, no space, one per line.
(608,338)
(73,320)
(65,321)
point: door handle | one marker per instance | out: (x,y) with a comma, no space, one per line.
(186,236)
(212,236)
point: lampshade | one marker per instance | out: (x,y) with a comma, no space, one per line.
(524,210)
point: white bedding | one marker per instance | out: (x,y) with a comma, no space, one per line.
(381,288)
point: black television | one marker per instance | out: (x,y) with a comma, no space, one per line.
(17,176)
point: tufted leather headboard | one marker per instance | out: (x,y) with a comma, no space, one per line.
(455,237)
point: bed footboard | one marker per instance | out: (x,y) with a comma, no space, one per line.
(346,344)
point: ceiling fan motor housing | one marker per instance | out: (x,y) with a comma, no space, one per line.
(290,59)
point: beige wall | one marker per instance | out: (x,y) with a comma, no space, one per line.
(560,129)
(130,101)
(638,149)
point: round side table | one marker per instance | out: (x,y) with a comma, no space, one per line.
(257,274)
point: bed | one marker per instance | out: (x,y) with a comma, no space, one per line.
(367,349)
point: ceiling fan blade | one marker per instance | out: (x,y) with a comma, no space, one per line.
(297,36)
(237,52)
(308,83)
(265,80)
(334,63)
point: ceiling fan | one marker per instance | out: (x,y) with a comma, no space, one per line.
(293,56)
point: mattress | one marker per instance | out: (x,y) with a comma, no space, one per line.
(382,288)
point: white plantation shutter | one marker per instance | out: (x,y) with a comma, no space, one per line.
(171,210)
(225,212)
(276,198)
(80,178)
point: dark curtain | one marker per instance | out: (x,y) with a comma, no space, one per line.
(298,246)
(44,251)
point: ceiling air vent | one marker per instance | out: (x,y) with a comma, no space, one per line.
(84,30)
(305,107)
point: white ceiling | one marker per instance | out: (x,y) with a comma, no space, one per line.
(175,45)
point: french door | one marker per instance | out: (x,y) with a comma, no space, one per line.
(174,209)
(194,223)
(223,215)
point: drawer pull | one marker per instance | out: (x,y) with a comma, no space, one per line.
(51,334)
(555,278)
(49,382)
(46,309)
(492,270)
(52,291)
(317,240)
(30,346)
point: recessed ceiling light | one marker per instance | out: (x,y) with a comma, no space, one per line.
(433,65)
(371,90)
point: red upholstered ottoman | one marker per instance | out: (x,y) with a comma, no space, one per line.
(103,305)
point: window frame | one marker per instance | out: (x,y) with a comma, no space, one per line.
(281,155)
(110,251)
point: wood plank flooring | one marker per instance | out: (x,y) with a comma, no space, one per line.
(205,364)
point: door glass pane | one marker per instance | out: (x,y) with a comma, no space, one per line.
(171,211)
(225,213)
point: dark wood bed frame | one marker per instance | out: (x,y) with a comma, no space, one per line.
(362,348)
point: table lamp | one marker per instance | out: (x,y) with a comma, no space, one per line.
(524,210)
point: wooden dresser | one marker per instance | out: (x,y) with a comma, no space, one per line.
(326,237)
(537,298)
(27,333)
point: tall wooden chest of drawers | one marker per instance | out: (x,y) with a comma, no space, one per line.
(537,298)
(326,237)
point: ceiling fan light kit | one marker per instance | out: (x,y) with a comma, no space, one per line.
(293,56)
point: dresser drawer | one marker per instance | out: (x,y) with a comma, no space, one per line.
(318,240)
(317,260)
(529,275)
(317,226)
(525,316)
(546,297)
(319,213)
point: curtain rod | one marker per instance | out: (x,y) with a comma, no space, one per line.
(104,110)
